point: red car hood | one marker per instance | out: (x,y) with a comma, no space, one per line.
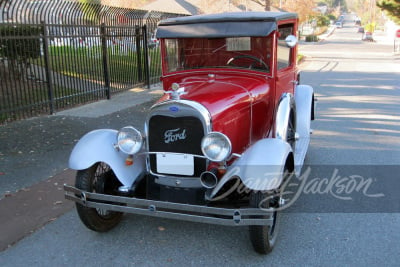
(229,99)
(217,95)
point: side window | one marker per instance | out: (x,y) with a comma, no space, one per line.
(284,52)
(171,46)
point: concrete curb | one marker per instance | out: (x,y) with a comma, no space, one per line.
(129,98)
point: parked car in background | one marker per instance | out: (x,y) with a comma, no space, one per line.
(368,36)
(339,24)
(231,129)
(153,42)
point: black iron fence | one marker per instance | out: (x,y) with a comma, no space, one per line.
(86,53)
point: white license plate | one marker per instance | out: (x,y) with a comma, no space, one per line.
(170,163)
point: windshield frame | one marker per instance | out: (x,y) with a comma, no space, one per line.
(232,53)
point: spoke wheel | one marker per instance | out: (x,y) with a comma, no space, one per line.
(263,237)
(98,179)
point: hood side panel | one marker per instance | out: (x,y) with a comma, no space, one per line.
(232,100)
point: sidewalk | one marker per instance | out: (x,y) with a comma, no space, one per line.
(35,149)
(135,96)
(328,33)
(34,158)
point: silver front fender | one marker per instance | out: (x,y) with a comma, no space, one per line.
(260,168)
(98,146)
(304,104)
(285,107)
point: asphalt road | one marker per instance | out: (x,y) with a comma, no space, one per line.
(358,125)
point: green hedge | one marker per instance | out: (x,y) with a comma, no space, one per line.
(311,38)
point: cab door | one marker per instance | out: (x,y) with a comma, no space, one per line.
(285,56)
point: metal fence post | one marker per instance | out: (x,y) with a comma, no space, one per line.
(50,90)
(146,56)
(103,36)
(79,60)
(139,54)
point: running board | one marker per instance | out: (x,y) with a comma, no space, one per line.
(300,153)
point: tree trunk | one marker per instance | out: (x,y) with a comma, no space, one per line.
(267,5)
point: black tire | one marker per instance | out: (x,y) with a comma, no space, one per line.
(263,237)
(291,132)
(101,179)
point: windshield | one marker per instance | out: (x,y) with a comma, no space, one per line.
(251,53)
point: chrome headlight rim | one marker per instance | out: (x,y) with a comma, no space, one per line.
(216,139)
(129,140)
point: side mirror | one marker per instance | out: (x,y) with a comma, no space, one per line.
(291,41)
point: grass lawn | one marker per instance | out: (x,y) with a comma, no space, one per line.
(87,63)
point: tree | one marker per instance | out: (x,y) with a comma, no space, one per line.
(21,43)
(91,10)
(303,8)
(266,4)
(322,20)
(392,7)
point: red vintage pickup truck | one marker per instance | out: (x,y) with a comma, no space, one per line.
(232,126)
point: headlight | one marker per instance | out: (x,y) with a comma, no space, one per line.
(129,140)
(216,146)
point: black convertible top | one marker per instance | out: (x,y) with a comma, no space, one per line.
(235,24)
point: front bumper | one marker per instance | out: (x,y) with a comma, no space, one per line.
(170,210)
